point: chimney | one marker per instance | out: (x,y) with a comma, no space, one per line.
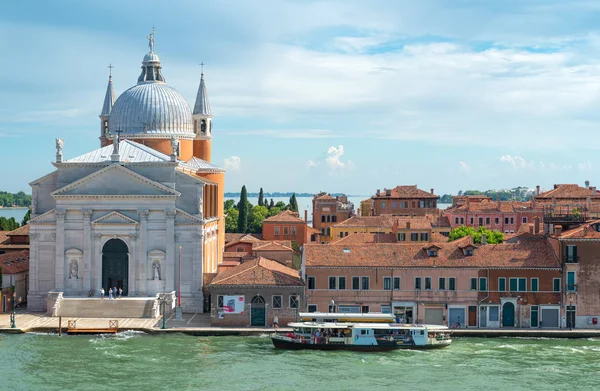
(432,191)
(499,205)
(593,188)
(408,225)
(537,190)
(557,230)
(378,192)
(585,231)
(305,215)
(531,229)
(555,186)
(536,225)
(483,239)
(587,183)
(395,227)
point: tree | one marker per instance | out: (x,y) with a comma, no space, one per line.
(229,204)
(8,224)
(293,203)
(274,211)
(261,198)
(255,218)
(271,204)
(492,237)
(242,226)
(231,220)
(26,217)
(281,205)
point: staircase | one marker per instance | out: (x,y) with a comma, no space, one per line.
(126,307)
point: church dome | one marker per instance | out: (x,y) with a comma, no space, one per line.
(151,109)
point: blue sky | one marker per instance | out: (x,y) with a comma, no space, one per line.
(345,96)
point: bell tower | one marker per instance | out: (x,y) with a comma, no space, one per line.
(109,101)
(202,118)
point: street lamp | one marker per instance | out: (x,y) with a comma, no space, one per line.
(332,306)
(13,317)
(163,303)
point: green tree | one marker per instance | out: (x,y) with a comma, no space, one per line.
(242,225)
(261,198)
(229,204)
(271,204)
(26,217)
(255,218)
(293,203)
(492,237)
(274,211)
(231,220)
(281,205)
(3,223)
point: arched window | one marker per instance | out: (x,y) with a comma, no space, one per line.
(258,300)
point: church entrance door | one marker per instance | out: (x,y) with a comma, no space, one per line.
(115,265)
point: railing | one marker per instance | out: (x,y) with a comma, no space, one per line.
(571,287)
(571,259)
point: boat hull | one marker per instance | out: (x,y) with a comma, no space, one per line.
(290,345)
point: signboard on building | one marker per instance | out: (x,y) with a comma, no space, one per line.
(233,304)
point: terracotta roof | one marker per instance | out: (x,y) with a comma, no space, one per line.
(386,220)
(234,254)
(568,191)
(272,246)
(245,238)
(406,192)
(535,253)
(260,271)
(584,231)
(3,237)
(487,206)
(21,231)
(438,237)
(326,197)
(287,216)
(14,262)
(312,230)
(364,238)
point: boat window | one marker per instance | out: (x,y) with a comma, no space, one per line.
(422,332)
(363,332)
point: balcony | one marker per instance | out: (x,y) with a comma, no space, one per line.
(571,259)
(571,287)
(565,214)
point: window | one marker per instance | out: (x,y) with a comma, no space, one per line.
(312,282)
(571,287)
(322,218)
(535,282)
(393,204)
(293,230)
(497,220)
(424,236)
(524,220)
(556,285)
(512,220)
(456,220)
(239,249)
(417,282)
(365,283)
(494,314)
(286,230)
(571,254)
(502,284)
(513,284)
(276,230)
(472,220)
(328,219)
(355,283)
(473,283)
(414,236)
(396,283)
(312,308)
(294,301)
(483,284)
(341,234)
(334,219)
(341,282)
(462,220)
(506,220)
(487,221)
(442,283)
(328,231)
(332,282)
(481,221)
(365,310)
(386,309)
(406,204)
(427,283)
(383,205)
(468,252)
(401,236)
(219,301)
(433,253)
(452,283)
(421,204)
(387,283)
(277,300)
(534,315)
(522,284)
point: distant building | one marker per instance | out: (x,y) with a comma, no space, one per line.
(567,205)
(288,225)
(16,240)
(14,268)
(328,211)
(404,201)
(406,229)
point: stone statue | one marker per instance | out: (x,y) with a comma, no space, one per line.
(74,270)
(203,126)
(200,205)
(156,271)
(175,145)
(59,147)
(151,41)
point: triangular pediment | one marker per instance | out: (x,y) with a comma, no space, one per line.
(114,218)
(48,217)
(183,217)
(115,180)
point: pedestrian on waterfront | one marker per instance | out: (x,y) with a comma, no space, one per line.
(115,292)
(110,293)
(120,292)
(317,336)
(102,293)
(275,322)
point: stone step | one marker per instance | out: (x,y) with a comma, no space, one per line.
(105,308)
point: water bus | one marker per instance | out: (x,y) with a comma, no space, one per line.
(335,317)
(362,336)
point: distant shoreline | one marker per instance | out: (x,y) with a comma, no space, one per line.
(14,207)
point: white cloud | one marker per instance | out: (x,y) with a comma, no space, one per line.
(333,160)
(585,166)
(514,161)
(233,163)
(464,168)
(311,164)
(334,155)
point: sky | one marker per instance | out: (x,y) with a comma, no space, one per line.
(308,96)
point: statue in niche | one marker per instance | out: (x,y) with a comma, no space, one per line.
(156,271)
(73,270)
(203,126)
(175,146)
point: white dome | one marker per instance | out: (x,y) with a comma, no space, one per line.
(151,109)
(151,57)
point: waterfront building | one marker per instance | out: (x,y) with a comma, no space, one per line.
(14,241)
(365,207)
(454,283)
(249,247)
(130,213)
(403,201)
(288,225)
(578,250)
(14,269)
(567,205)
(328,211)
(254,292)
(406,229)
(481,211)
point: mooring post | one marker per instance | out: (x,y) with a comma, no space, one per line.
(60,326)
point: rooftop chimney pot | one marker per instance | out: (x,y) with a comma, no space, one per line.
(587,183)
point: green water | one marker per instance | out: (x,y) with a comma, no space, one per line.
(178,362)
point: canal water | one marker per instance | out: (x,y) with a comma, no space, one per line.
(133,361)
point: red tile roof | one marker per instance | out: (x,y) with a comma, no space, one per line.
(568,191)
(535,253)
(260,271)
(386,221)
(364,238)
(584,231)
(14,262)
(326,197)
(487,206)
(406,192)
(273,246)
(231,238)
(287,216)
(21,231)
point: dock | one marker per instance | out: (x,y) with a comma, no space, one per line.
(72,329)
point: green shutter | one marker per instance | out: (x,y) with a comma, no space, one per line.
(502,284)
(513,284)
(534,285)
(483,284)
(522,284)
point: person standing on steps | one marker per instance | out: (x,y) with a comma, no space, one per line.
(120,292)
(275,322)
(110,292)
(102,293)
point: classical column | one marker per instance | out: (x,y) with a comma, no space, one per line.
(35,265)
(87,250)
(142,261)
(172,278)
(197,263)
(97,263)
(59,264)
(133,289)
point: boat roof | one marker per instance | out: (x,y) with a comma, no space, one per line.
(380,326)
(370,315)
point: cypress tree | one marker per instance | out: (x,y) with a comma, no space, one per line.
(293,203)
(26,217)
(243,211)
(261,198)
(272,204)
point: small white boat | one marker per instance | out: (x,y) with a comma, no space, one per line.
(363,336)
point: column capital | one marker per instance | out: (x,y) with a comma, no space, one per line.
(143,213)
(60,213)
(170,213)
(87,213)
(133,237)
(34,236)
(97,236)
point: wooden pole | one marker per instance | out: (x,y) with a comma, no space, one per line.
(60,326)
